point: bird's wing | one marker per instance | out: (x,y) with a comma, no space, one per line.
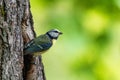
(38,44)
(44,41)
(29,44)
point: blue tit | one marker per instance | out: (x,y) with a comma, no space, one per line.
(42,43)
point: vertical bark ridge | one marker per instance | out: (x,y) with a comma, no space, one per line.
(16,29)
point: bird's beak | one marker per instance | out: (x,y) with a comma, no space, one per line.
(60,33)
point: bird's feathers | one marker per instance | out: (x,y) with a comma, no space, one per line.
(42,43)
(39,44)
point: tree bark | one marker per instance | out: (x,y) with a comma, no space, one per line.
(16,29)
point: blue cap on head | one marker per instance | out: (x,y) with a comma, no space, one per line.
(54,33)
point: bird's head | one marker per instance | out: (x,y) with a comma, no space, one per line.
(54,33)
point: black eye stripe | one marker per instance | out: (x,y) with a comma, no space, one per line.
(56,31)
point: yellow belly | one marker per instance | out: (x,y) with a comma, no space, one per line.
(39,53)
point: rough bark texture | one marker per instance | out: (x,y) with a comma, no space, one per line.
(16,29)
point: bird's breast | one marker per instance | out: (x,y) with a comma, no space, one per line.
(53,41)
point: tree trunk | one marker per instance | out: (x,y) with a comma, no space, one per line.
(16,29)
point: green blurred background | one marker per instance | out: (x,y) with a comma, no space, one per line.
(89,49)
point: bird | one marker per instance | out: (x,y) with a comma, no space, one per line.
(42,43)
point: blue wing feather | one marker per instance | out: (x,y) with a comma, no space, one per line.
(37,46)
